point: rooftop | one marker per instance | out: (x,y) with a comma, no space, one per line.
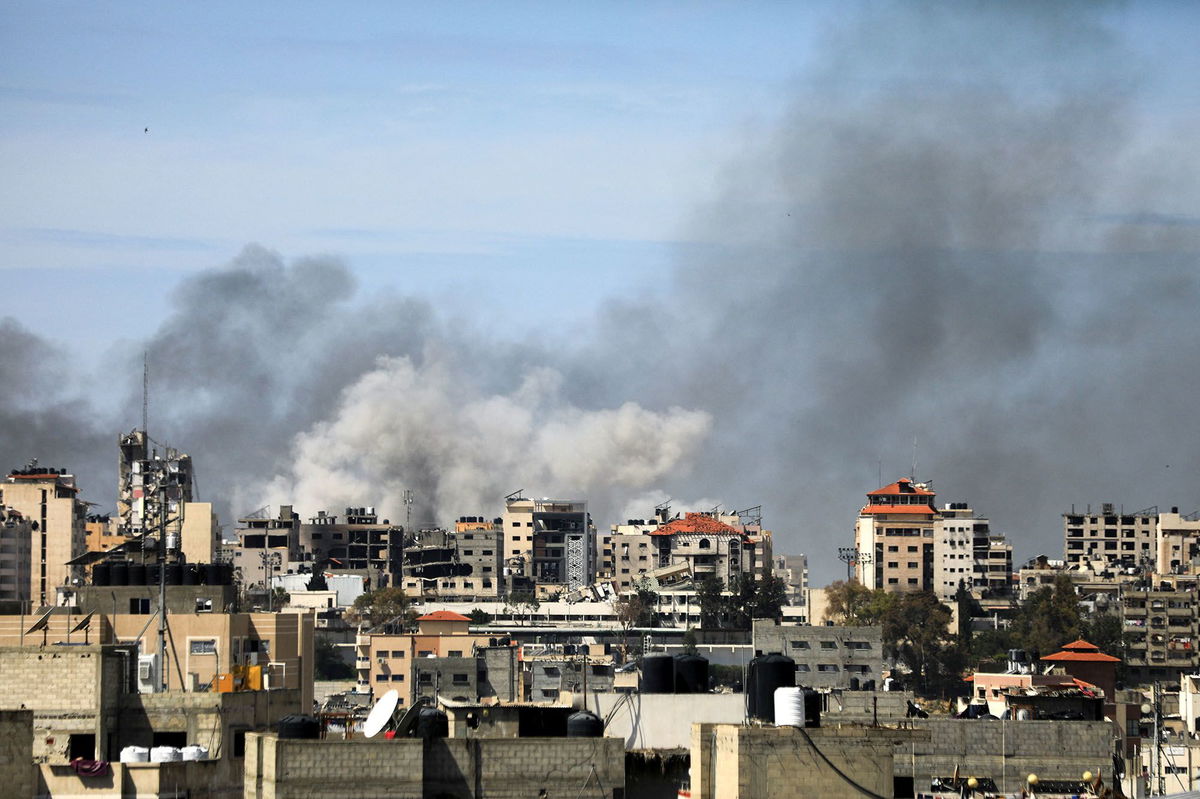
(696,523)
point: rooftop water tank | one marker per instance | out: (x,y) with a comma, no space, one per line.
(789,707)
(766,673)
(299,727)
(658,674)
(691,674)
(137,574)
(584,725)
(432,723)
(194,752)
(165,754)
(101,574)
(120,573)
(135,754)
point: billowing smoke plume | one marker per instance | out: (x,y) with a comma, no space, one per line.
(971,231)
(432,431)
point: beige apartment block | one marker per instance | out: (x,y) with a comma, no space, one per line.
(894,538)
(48,498)
(16,534)
(386,662)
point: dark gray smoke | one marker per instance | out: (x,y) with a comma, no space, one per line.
(970,231)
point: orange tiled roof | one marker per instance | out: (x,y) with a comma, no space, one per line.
(1081,650)
(896,488)
(695,523)
(922,510)
(443,615)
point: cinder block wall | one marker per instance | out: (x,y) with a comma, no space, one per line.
(1005,751)
(496,768)
(16,753)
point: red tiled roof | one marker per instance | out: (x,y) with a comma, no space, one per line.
(695,523)
(908,488)
(443,615)
(1081,650)
(920,510)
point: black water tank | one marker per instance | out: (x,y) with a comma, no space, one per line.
(152,573)
(584,725)
(296,726)
(658,674)
(768,672)
(174,573)
(869,685)
(691,674)
(854,684)
(102,574)
(812,708)
(120,573)
(137,574)
(211,573)
(432,723)
(225,574)
(191,575)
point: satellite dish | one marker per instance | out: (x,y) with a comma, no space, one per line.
(381,714)
(84,623)
(41,623)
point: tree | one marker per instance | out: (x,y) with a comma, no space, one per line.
(388,607)
(525,602)
(328,663)
(1048,618)
(689,642)
(916,631)
(480,616)
(847,602)
(710,595)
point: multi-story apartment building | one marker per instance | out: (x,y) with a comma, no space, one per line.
(458,564)
(825,656)
(894,538)
(696,545)
(16,534)
(1161,629)
(967,554)
(549,541)
(358,544)
(48,499)
(1177,543)
(151,488)
(793,571)
(1115,538)
(384,662)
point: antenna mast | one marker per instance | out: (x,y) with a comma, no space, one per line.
(913,475)
(145,392)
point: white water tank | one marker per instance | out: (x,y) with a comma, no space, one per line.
(135,754)
(789,707)
(194,752)
(165,754)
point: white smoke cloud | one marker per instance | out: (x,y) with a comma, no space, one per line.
(430,429)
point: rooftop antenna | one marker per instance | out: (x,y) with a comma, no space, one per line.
(408,503)
(145,392)
(913,475)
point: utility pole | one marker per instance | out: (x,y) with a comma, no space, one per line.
(1155,699)
(162,581)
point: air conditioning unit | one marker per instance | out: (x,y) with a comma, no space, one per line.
(149,674)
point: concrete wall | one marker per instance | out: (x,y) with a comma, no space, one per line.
(664,721)
(826,657)
(415,769)
(205,779)
(16,753)
(1005,751)
(733,762)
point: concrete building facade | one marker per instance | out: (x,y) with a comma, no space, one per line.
(825,656)
(16,560)
(894,538)
(48,499)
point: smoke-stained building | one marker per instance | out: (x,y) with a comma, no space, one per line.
(549,541)
(16,535)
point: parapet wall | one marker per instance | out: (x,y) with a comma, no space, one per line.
(498,768)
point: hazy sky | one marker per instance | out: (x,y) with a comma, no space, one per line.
(727,252)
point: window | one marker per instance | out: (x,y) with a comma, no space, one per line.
(704,543)
(551,671)
(207,646)
(799,644)
(455,653)
(894,549)
(458,679)
(139,606)
(893,564)
(802,667)
(397,678)
(381,678)
(550,693)
(425,678)
(827,667)
(516,524)
(829,645)
(397,653)
(912,564)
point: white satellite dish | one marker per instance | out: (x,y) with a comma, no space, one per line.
(381,714)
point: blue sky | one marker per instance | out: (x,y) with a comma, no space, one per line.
(451,150)
(461,151)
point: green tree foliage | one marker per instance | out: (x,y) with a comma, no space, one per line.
(1048,618)
(387,607)
(328,663)
(639,609)
(480,616)
(689,642)
(847,602)
(748,599)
